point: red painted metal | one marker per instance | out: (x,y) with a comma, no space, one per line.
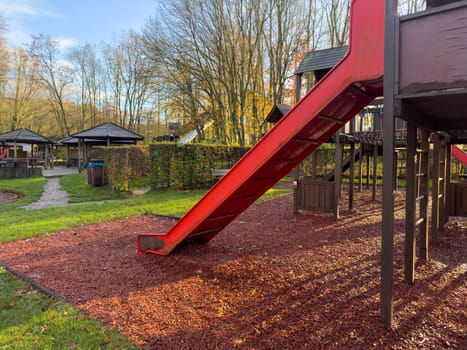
(459,154)
(354,82)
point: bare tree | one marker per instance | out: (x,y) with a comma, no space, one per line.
(411,6)
(3,70)
(24,90)
(130,77)
(337,21)
(87,69)
(228,60)
(54,75)
(3,54)
(293,29)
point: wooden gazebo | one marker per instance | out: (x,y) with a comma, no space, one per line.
(25,161)
(106,134)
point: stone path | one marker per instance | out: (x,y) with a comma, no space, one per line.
(51,197)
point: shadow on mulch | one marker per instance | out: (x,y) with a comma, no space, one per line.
(269,280)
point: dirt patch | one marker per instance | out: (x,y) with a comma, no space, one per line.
(7,197)
(270,280)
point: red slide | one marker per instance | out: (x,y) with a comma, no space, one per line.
(459,154)
(354,82)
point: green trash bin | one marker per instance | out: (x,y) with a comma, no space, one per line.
(95,172)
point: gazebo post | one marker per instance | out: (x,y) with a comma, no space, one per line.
(46,155)
(80,155)
(68,155)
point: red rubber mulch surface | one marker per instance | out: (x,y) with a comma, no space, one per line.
(270,280)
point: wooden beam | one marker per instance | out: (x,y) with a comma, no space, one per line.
(424,191)
(442,184)
(375,172)
(447,183)
(387,237)
(360,169)
(337,175)
(418,116)
(410,203)
(298,86)
(435,189)
(351,175)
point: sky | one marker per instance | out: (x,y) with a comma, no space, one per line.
(73,22)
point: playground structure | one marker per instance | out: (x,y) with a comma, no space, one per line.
(363,138)
(417,91)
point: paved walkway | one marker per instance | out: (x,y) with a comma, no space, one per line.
(54,196)
(51,197)
(59,171)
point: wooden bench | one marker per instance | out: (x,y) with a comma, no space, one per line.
(218,173)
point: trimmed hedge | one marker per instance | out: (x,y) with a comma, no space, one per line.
(124,164)
(189,166)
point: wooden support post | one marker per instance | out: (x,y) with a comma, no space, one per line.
(367,171)
(424,193)
(296,173)
(447,183)
(298,86)
(341,173)
(375,172)
(360,169)
(442,183)
(435,189)
(387,237)
(351,175)
(337,175)
(68,161)
(46,155)
(52,156)
(410,203)
(395,171)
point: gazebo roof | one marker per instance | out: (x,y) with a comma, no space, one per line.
(277,112)
(108,131)
(73,141)
(24,136)
(321,59)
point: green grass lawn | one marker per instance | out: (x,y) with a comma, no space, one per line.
(79,191)
(20,223)
(30,189)
(17,223)
(32,320)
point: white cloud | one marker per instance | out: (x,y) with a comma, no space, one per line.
(17,14)
(25,8)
